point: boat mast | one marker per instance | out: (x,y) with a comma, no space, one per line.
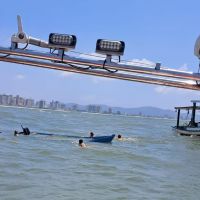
(178,118)
(193,114)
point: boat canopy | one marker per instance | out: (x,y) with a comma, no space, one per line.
(187,108)
(194,108)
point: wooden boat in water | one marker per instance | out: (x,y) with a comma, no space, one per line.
(192,128)
(101,139)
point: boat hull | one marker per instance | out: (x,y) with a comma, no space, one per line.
(185,131)
(103,139)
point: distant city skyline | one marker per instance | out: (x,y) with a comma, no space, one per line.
(18,101)
(158,31)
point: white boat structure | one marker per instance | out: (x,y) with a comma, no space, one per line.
(192,128)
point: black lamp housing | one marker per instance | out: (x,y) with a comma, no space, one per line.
(110,47)
(62,41)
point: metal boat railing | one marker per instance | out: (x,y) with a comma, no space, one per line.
(110,69)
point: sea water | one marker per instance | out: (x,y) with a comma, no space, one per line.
(151,163)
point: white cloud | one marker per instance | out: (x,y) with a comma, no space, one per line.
(92,56)
(97,80)
(142,62)
(164,89)
(184,67)
(20,76)
(167,90)
(66,74)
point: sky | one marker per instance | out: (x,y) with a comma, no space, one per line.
(153,30)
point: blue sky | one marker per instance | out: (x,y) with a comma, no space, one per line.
(159,31)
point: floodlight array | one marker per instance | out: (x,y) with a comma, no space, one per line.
(107,45)
(110,47)
(59,60)
(62,40)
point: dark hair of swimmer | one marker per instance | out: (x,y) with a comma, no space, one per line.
(80,141)
(91,134)
(119,136)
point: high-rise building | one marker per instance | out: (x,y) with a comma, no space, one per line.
(14,101)
(9,102)
(17,100)
(94,108)
(42,104)
(55,105)
(62,106)
(4,99)
(0,99)
(21,101)
(109,110)
(75,107)
(29,103)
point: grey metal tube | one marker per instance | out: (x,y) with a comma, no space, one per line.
(137,78)
(38,42)
(114,66)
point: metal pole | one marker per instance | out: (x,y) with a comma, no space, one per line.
(99,63)
(178,118)
(193,114)
(129,77)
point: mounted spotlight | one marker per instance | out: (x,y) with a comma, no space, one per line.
(62,41)
(111,48)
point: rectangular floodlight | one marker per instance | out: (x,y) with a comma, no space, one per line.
(62,41)
(115,48)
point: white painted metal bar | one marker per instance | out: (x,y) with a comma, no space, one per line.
(99,63)
(126,71)
(98,72)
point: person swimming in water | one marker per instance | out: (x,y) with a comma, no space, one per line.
(25,131)
(81,143)
(119,137)
(16,133)
(91,134)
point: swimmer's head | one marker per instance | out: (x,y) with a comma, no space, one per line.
(91,134)
(80,142)
(119,136)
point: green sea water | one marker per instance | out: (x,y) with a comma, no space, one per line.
(151,163)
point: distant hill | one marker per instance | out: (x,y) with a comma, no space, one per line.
(147,111)
(141,111)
